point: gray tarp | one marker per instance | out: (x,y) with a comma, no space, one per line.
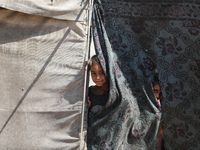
(43,47)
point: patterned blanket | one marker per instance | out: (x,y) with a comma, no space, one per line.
(132,39)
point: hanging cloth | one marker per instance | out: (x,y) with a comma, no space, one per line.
(132,116)
(132,39)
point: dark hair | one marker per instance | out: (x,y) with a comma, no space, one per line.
(156,78)
(93,60)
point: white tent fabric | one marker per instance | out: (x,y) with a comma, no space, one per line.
(60,9)
(42,63)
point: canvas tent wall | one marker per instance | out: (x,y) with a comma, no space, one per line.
(43,48)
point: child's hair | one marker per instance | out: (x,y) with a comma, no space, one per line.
(155,77)
(94,60)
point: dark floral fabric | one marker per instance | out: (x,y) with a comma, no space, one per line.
(133,38)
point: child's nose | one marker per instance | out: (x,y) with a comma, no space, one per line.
(98,76)
(157,95)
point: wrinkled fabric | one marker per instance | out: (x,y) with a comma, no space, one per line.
(75,10)
(132,39)
(42,63)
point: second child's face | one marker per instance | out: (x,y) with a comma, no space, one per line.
(157,90)
(98,75)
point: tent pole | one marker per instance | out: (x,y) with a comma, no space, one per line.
(83,144)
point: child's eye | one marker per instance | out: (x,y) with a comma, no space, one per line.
(102,72)
(157,91)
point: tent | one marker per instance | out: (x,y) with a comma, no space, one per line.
(44,47)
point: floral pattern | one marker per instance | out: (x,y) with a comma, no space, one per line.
(181,131)
(116,42)
(147,67)
(169,46)
(196,68)
(137,25)
(197,112)
(193,27)
(131,39)
(175,91)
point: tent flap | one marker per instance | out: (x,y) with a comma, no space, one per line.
(60,9)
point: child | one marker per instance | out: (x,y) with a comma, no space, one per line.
(159,97)
(98,94)
(157,92)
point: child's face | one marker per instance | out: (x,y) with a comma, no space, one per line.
(157,90)
(98,75)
